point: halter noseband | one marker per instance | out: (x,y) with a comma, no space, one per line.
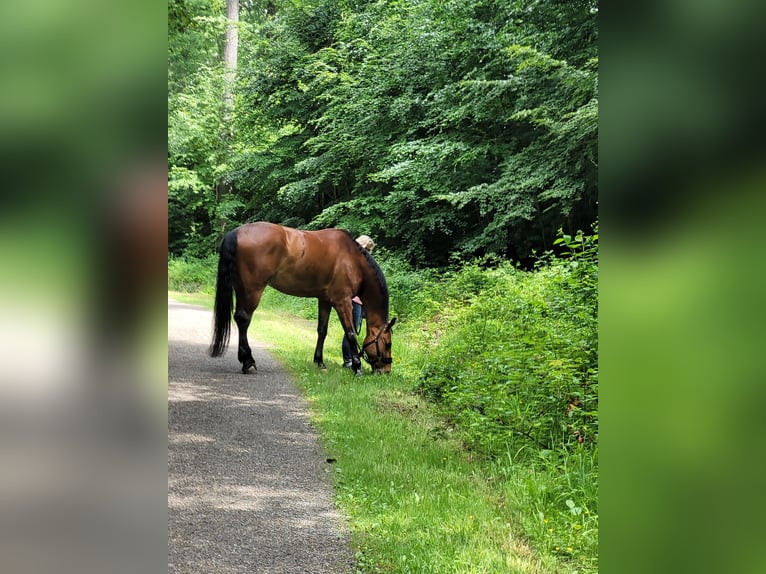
(366,357)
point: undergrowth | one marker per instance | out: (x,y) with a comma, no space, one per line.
(191,275)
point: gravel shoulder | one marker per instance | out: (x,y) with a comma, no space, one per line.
(248,489)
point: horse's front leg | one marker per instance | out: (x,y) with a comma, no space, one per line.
(322,321)
(345,314)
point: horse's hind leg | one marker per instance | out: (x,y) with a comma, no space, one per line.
(244,353)
(246,305)
(322,320)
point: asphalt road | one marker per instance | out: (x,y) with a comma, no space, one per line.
(247,479)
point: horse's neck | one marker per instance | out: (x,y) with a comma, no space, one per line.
(372,298)
(375,318)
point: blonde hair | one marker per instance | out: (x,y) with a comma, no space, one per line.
(366,242)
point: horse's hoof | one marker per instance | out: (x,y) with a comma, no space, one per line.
(321,366)
(358,373)
(248,369)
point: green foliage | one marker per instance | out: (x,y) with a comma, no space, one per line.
(518,363)
(441,128)
(190,200)
(509,359)
(512,363)
(190,275)
(410,290)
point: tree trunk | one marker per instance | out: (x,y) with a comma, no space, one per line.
(230,59)
(229,78)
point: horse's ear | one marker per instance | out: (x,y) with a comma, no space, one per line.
(390,324)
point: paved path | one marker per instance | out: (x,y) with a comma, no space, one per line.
(247,483)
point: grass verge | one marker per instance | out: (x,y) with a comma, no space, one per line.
(201,299)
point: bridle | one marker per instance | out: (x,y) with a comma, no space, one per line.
(366,357)
(363,350)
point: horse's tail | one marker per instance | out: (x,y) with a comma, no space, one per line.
(224,294)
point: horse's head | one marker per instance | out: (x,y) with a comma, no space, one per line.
(376,348)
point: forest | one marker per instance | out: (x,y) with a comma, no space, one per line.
(443,129)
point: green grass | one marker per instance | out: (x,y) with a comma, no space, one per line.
(416,500)
(201,299)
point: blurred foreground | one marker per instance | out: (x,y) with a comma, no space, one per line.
(82,295)
(681,291)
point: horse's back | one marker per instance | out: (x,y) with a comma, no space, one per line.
(295,243)
(261,233)
(296,262)
(260,247)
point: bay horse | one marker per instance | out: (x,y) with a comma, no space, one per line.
(327,264)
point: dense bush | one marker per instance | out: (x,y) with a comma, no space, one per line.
(518,361)
(189,274)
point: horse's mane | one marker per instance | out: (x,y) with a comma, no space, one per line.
(378,274)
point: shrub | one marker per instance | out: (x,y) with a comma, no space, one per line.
(518,367)
(410,289)
(191,275)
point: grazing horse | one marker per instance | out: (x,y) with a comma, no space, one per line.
(326,264)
